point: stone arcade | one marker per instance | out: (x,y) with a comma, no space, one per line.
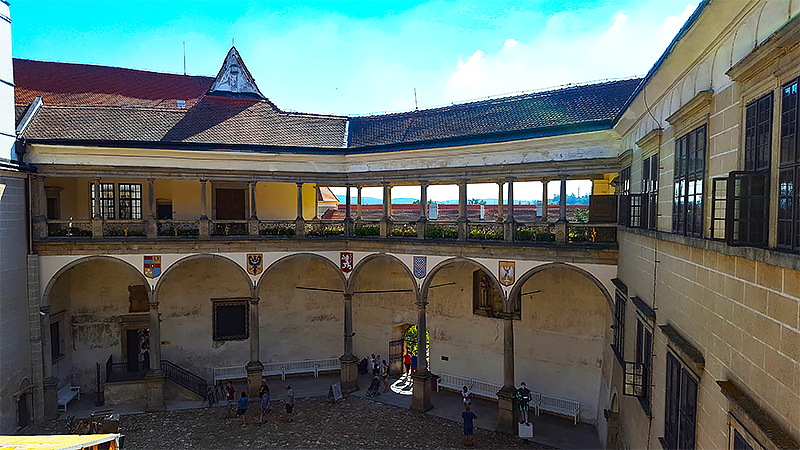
(191,219)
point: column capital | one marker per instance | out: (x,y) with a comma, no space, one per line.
(254,300)
(151,180)
(422,304)
(425,183)
(203,180)
(45,309)
(299,183)
(153,305)
(563,176)
(510,179)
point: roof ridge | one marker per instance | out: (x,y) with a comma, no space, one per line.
(148,108)
(113,67)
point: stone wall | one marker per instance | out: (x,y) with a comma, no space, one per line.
(15,338)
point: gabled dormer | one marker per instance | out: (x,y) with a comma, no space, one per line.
(234,79)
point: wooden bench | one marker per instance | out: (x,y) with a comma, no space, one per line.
(571,408)
(67,394)
(279,368)
(477,387)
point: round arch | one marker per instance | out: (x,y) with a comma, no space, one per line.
(61,271)
(201,256)
(359,267)
(293,256)
(448,263)
(530,273)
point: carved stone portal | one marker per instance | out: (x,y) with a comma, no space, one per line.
(487,299)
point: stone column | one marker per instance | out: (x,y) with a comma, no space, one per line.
(299,221)
(203,222)
(49,382)
(152,228)
(39,206)
(506,422)
(358,204)
(421,397)
(422,222)
(510,226)
(462,211)
(544,199)
(252,224)
(349,371)
(561,224)
(36,321)
(154,380)
(499,201)
(97,219)
(316,201)
(386,219)
(348,221)
(254,368)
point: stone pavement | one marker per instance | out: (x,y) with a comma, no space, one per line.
(311,394)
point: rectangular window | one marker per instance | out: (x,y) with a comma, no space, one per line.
(625,181)
(650,188)
(644,358)
(687,204)
(758,134)
(719,205)
(748,203)
(789,175)
(680,411)
(231,320)
(106,209)
(55,340)
(130,201)
(619,327)
(638,215)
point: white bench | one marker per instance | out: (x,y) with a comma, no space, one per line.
(477,387)
(571,408)
(279,368)
(67,394)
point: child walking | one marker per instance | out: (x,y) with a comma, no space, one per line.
(242,411)
(264,407)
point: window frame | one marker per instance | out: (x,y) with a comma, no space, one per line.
(130,204)
(56,347)
(678,409)
(788,213)
(691,152)
(106,209)
(228,302)
(618,344)
(650,173)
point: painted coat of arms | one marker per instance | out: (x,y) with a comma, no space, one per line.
(346,261)
(506,269)
(420,266)
(152,266)
(255,263)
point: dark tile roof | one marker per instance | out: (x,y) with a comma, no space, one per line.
(84,84)
(599,102)
(212,120)
(19,112)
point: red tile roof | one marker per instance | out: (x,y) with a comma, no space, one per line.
(84,84)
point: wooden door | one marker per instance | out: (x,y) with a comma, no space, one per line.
(230,204)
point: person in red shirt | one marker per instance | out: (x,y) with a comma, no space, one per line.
(231,400)
(407,363)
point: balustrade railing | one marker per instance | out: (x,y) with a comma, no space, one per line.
(122,371)
(364,228)
(485,231)
(535,232)
(403,229)
(228,228)
(276,228)
(69,228)
(441,230)
(324,228)
(596,233)
(124,228)
(178,228)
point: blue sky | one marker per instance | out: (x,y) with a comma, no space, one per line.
(361,57)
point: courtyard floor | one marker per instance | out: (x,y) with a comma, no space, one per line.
(355,422)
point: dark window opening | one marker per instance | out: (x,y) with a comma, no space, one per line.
(619,327)
(164,211)
(650,170)
(687,203)
(789,175)
(231,320)
(55,341)
(680,411)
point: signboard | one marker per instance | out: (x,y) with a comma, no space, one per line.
(337,391)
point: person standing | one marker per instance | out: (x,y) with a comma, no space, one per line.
(264,405)
(466,395)
(413,363)
(385,376)
(407,363)
(524,397)
(242,411)
(372,365)
(264,388)
(289,402)
(231,400)
(468,417)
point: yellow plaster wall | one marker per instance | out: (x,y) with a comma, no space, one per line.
(184,195)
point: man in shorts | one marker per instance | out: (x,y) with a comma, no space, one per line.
(231,400)
(468,417)
(289,402)
(242,410)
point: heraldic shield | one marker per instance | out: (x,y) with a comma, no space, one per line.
(255,263)
(346,261)
(152,266)
(420,266)
(506,269)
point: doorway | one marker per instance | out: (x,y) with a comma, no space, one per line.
(22,411)
(230,204)
(137,351)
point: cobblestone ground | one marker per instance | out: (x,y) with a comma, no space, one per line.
(352,423)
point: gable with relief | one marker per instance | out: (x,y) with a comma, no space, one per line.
(234,78)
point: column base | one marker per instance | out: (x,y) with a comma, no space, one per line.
(255,372)
(561,232)
(463,229)
(50,386)
(421,398)
(386,227)
(506,413)
(349,374)
(509,229)
(299,228)
(203,228)
(154,383)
